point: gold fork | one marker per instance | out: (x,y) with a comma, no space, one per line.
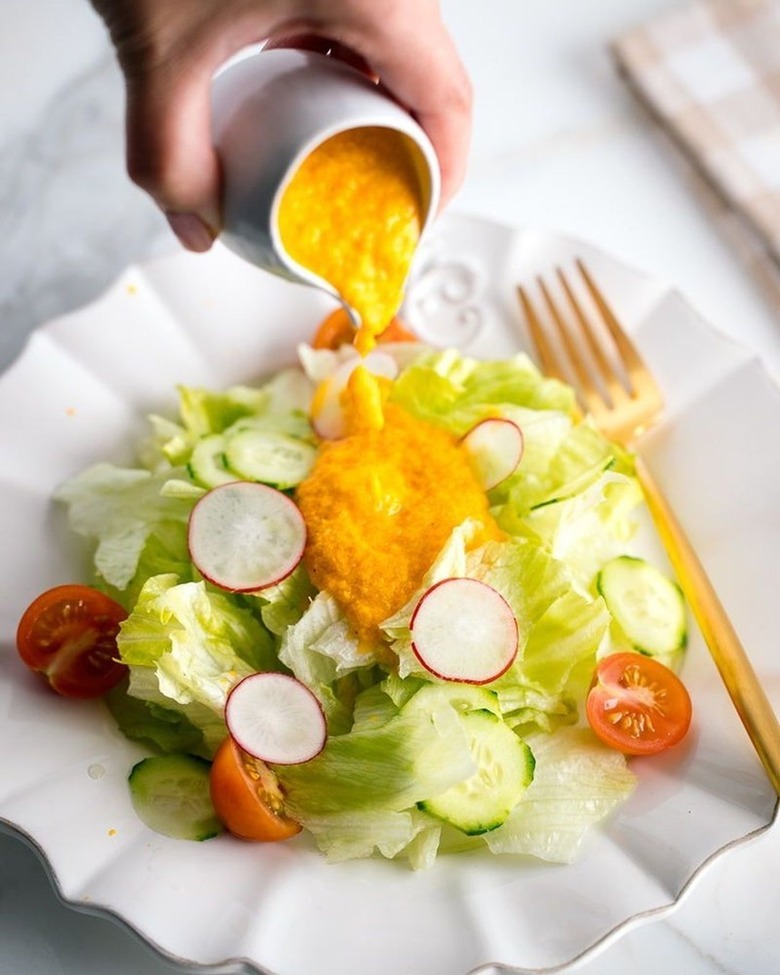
(619,392)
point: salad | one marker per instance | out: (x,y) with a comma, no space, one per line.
(419,640)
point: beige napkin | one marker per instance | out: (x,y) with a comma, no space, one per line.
(710,73)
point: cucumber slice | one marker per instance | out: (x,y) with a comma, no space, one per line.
(647,605)
(270,457)
(462,697)
(170,793)
(505,768)
(207,462)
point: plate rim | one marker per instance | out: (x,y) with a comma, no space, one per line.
(241,963)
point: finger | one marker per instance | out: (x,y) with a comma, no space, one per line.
(169,68)
(169,145)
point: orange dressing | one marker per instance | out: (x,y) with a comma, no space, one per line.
(379,505)
(352,214)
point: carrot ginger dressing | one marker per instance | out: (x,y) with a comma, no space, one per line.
(379,505)
(352,214)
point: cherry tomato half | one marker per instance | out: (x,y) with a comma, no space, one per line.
(68,636)
(637,705)
(337,329)
(246,796)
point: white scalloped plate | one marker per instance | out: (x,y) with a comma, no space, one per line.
(79,393)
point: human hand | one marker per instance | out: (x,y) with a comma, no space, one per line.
(170,49)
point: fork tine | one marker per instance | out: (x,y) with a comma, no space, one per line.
(611,383)
(638,374)
(589,394)
(547,358)
(615,389)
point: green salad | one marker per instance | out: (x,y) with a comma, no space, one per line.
(461,727)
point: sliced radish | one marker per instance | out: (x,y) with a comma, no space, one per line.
(495,446)
(327,410)
(276,718)
(245,536)
(463,630)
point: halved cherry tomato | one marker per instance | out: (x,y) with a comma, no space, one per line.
(68,636)
(337,329)
(637,705)
(246,796)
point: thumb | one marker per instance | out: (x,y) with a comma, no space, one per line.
(169,146)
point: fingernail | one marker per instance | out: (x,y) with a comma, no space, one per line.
(191,231)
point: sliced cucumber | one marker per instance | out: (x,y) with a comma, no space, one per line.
(170,793)
(505,768)
(270,457)
(647,605)
(207,462)
(462,697)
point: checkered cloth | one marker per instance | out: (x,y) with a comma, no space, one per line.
(710,73)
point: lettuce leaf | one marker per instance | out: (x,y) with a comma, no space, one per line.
(161,728)
(122,508)
(456,391)
(577,783)
(281,404)
(284,604)
(321,649)
(591,527)
(186,646)
(416,755)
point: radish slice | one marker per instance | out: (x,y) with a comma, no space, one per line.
(495,446)
(463,630)
(276,718)
(327,412)
(245,536)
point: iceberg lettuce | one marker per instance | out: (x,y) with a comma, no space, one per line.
(281,404)
(125,510)
(360,793)
(577,782)
(186,646)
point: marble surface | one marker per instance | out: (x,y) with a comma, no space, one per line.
(558,143)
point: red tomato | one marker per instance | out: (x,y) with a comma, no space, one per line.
(637,705)
(68,636)
(247,798)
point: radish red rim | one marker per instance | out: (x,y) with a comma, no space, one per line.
(495,446)
(244,536)
(276,718)
(464,630)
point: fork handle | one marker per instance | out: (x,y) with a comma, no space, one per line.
(741,680)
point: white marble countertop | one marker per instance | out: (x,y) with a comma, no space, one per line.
(558,143)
